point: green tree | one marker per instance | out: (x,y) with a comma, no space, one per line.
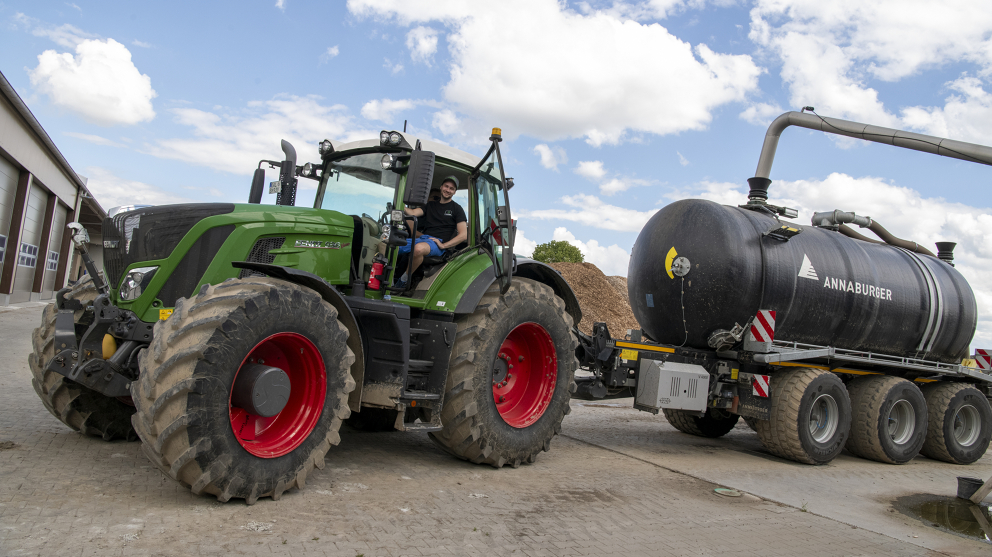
(557,251)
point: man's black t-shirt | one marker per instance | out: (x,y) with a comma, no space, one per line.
(441,219)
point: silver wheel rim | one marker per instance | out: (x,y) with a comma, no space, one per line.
(823,418)
(901,422)
(967,425)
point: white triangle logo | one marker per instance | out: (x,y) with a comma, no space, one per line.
(807,270)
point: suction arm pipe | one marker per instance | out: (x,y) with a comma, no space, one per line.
(907,140)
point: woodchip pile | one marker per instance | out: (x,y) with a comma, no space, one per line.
(601,298)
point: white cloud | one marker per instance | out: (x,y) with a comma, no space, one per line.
(612,260)
(141,44)
(682,160)
(393,68)
(235,140)
(447,122)
(385,109)
(551,157)
(523,246)
(761,114)
(95,139)
(100,83)
(68,36)
(589,210)
(422,42)
(902,211)
(830,49)
(71,5)
(966,116)
(591,169)
(281,4)
(112,191)
(547,79)
(331,52)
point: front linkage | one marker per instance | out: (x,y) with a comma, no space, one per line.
(96,361)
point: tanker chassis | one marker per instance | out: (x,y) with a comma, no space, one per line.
(846,342)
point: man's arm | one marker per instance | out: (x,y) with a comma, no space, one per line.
(418,212)
(459,238)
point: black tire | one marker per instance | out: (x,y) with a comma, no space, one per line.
(889,422)
(788,431)
(185,418)
(960,423)
(373,419)
(82,409)
(474,429)
(716,423)
(751,422)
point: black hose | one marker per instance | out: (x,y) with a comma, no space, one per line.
(885,235)
(852,233)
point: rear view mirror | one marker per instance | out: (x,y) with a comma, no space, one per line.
(419,176)
(257,183)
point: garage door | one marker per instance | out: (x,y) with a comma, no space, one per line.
(52,263)
(27,252)
(8,188)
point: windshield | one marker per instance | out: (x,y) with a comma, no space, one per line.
(358,185)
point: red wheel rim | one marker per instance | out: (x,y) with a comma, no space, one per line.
(277,435)
(524,375)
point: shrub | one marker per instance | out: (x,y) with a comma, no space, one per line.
(557,251)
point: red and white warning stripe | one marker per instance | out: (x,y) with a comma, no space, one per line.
(763,326)
(983,358)
(759,386)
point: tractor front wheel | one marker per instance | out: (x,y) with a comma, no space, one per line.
(511,377)
(244,388)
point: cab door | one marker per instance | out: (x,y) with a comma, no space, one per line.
(494,230)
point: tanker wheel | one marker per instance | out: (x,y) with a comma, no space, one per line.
(716,423)
(960,423)
(810,416)
(511,377)
(243,389)
(373,419)
(751,422)
(78,407)
(890,419)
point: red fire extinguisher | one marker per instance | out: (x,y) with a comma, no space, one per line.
(377,268)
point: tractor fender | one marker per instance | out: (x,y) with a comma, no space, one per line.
(336,299)
(524,268)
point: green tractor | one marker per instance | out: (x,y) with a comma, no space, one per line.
(234,339)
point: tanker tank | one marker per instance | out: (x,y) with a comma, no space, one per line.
(827,289)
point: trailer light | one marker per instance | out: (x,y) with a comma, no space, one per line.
(136,281)
(384,137)
(325,147)
(387,161)
(395,138)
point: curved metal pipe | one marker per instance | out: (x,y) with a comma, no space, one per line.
(907,140)
(852,233)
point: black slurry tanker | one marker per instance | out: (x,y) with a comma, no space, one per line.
(846,341)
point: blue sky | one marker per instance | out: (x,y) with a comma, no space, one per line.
(610,109)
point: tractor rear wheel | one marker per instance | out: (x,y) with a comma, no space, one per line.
(511,377)
(960,422)
(82,409)
(810,417)
(716,423)
(244,388)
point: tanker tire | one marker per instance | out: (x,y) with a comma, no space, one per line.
(877,403)
(373,420)
(82,409)
(710,425)
(751,422)
(946,404)
(786,432)
(183,393)
(474,430)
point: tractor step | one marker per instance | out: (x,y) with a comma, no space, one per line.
(419,395)
(422,427)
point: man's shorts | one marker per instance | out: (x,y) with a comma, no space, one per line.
(435,250)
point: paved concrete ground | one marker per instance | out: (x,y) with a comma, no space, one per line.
(617,482)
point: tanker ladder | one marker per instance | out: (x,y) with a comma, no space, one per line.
(806,402)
